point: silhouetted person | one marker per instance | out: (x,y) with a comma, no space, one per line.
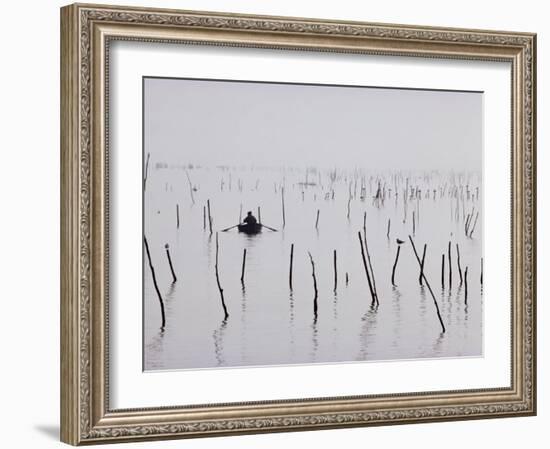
(250,219)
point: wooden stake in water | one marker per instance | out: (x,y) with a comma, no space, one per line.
(317,220)
(429,288)
(395,265)
(458,263)
(316,293)
(209,216)
(241,214)
(190,187)
(291,265)
(283,204)
(174,278)
(421,275)
(146,171)
(347,278)
(469,222)
(226,315)
(259,215)
(388,231)
(466,286)
(466,224)
(474,226)
(450,265)
(414,225)
(373,296)
(335,272)
(404,206)
(243,266)
(481,273)
(177,216)
(368,257)
(443,271)
(155,283)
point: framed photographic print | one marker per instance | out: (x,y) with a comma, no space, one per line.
(281,224)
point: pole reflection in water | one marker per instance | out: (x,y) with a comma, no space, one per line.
(368,329)
(219,343)
(291,323)
(244,328)
(314,340)
(397,323)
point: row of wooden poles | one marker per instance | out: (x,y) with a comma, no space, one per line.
(462,279)
(174,278)
(367,264)
(410,192)
(365,254)
(415,192)
(469,223)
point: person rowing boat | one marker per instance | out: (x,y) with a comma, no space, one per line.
(250,224)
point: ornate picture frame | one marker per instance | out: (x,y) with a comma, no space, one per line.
(87,31)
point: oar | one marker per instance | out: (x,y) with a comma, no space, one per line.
(271,229)
(227,229)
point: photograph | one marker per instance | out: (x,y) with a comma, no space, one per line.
(283,220)
(295,224)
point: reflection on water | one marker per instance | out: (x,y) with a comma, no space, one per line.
(155,346)
(314,340)
(218,343)
(396,310)
(450,311)
(244,329)
(368,327)
(269,323)
(438,343)
(169,295)
(292,330)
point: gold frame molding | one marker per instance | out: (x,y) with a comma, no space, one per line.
(86,31)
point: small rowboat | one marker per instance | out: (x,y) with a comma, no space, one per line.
(250,229)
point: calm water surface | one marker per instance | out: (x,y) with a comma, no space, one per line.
(269,323)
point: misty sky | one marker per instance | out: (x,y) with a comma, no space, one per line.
(234,123)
